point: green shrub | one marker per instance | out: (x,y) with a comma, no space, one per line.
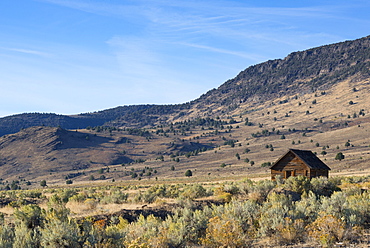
(194,191)
(297,184)
(6,236)
(323,186)
(114,196)
(58,233)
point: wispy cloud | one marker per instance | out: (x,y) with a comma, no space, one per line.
(253,57)
(135,56)
(218,27)
(102,8)
(26,51)
(195,21)
(222,27)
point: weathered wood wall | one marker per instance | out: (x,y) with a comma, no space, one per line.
(319,173)
(290,165)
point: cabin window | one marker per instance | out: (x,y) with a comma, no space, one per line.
(288,174)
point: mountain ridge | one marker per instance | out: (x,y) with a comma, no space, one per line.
(318,70)
(299,72)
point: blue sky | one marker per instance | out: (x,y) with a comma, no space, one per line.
(74,56)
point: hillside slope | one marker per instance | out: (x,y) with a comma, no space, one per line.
(38,151)
(239,145)
(300,72)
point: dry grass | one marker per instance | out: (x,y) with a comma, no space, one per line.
(8,213)
(7,210)
(89,208)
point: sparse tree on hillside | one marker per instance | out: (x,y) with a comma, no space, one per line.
(339,156)
(43,183)
(188,173)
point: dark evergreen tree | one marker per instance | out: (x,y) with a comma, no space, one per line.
(188,173)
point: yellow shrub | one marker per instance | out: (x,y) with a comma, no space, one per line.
(225,197)
(327,230)
(291,231)
(137,243)
(224,232)
(91,203)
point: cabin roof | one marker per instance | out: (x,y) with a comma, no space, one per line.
(310,159)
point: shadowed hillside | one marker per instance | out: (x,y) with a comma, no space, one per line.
(36,151)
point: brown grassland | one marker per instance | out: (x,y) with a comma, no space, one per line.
(331,122)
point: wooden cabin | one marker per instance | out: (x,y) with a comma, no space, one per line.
(299,162)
